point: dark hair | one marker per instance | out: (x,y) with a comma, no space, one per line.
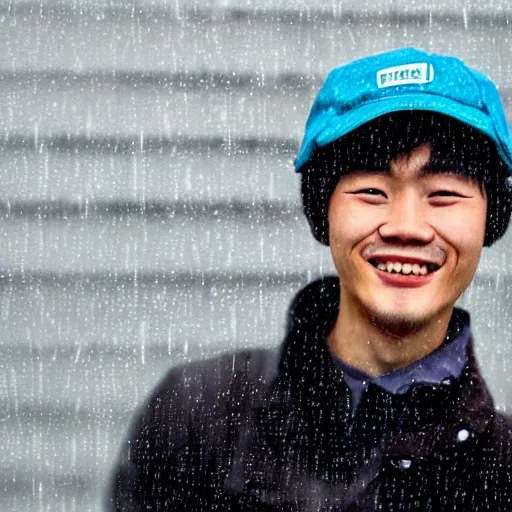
(456,148)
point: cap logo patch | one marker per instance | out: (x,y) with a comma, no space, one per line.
(418,73)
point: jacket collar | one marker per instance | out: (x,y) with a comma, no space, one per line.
(305,362)
(311,316)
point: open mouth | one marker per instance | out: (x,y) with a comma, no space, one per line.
(404,268)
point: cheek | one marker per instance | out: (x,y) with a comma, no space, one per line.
(349,222)
(465,231)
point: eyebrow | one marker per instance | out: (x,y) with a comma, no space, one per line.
(443,167)
(436,165)
(430,168)
(425,170)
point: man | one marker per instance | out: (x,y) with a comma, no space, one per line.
(374,401)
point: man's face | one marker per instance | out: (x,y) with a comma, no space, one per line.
(405,243)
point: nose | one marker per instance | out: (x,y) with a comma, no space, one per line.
(407,220)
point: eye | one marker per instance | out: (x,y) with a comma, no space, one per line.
(371,192)
(445,193)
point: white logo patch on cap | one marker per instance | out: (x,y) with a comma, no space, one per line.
(418,73)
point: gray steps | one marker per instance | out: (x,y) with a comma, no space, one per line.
(189,315)
(252,243)
(99,106)
(205,173)
(271,7)
(82,40)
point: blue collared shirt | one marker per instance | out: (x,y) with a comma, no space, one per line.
(446,362)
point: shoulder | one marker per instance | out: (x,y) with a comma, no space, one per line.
(183,418)
(495,445)
(210,377)
(495,466)
(502,432)
(194,394)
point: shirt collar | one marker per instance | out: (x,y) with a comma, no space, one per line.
(448,361)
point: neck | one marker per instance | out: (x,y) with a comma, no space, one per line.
(376,349)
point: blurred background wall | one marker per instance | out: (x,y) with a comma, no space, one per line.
(149,214)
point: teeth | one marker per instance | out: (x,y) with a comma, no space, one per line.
(405,268)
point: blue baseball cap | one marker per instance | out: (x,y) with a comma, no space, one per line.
(405,79)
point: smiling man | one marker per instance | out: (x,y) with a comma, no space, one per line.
(406,244)
(374,401)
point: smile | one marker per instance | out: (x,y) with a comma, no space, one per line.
(404,268)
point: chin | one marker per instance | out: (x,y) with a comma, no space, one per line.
(401,322)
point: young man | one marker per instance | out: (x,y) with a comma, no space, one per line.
(374,401)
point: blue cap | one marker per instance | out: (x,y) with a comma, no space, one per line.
(406,79)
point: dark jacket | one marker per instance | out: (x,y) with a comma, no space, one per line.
(273,431)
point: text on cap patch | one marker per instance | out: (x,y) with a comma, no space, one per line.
(417,73)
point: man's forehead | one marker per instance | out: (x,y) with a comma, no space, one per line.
(419,162)
(415,163)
